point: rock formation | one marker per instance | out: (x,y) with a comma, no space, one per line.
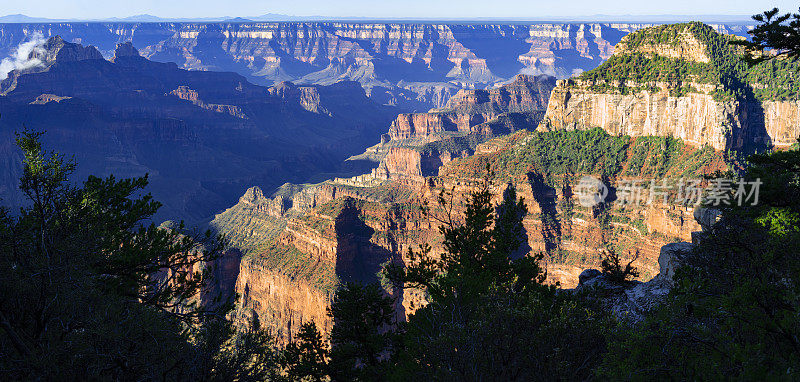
(412,66)
(468,111)
(203,137)
(323,234)
(683,88)
(418,144)
(632,300)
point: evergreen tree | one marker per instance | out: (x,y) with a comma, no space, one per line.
(362,338)
(93,290)
(488,317)
(735,310)
(306,358)
(774,31)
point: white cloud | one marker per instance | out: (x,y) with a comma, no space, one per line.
(21,59)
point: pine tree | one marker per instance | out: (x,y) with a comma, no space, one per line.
(488,315)
(306,358)
(92,289)
(362,338)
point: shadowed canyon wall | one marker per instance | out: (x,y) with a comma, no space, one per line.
(202,137)
(414,66)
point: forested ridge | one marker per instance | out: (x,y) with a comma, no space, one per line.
(771,80)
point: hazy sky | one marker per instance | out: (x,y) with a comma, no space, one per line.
(385,8)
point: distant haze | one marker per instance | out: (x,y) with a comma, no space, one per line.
(260,10)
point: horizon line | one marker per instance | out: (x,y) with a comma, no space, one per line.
(272,17)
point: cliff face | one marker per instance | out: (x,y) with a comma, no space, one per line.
(280,301)
(523,94)
(418,144)
(414,66)
(678,81)
(343,230)
(203,137)
(289,277)
(781,121)
(468,111)
(695,118)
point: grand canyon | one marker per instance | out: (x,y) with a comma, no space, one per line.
(320,151)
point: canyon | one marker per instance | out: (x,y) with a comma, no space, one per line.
(414,66)
(346,229)
(439,104)
(202,137)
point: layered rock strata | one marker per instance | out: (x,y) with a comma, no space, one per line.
(680,82)
(203,137)
(414,66)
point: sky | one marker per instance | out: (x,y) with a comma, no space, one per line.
(95,9)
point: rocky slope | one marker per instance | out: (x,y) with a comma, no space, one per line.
(468,111)
(664,109)
(418,144)
(338,231)
(685,81)
(419,159)
(415,66)
(203,137)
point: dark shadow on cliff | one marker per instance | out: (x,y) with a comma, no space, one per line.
(546,197)
(225,271)
(500,46)
(612,35)
(357,259)
(753,137)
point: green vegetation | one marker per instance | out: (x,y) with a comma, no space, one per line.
(613,269)
(485,306)
(594,151)
(736,305)
(775,32)
(770,80)
(245,230)
(306,358)
(361,343)
(776,79)
(734,312)
(456,144)
(644,68)
(92,291)
(295,264)
(667,34)
(732,315)
(390,192)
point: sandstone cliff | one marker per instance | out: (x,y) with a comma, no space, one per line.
(684,81)
(468,111)
(333,231)
(418,144)
(696,118)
